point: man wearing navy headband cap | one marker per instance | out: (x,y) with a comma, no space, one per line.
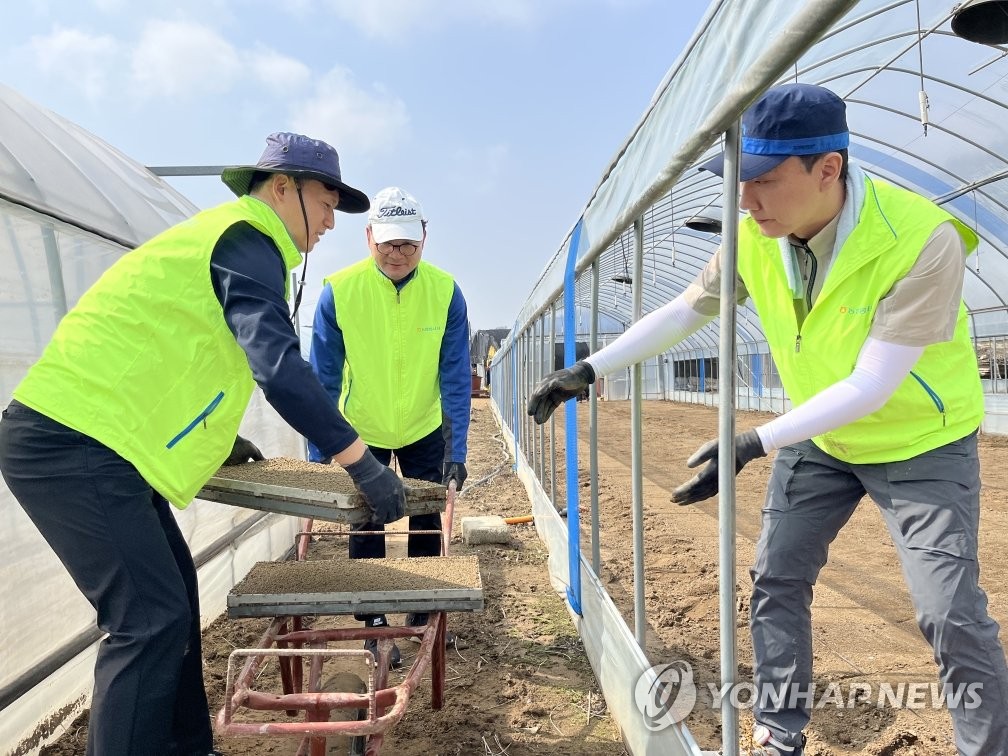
(794,119)
(858,285)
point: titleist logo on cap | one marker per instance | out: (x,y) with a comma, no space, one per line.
(388,212)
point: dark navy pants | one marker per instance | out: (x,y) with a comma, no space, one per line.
(121,545)
(421,460)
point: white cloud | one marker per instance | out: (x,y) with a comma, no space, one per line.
(279,73)
(351,118)
(189,64)
(397,19)
(180,58)
(76,56)
(109,6)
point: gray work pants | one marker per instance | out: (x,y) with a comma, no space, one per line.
(121,545)
(931,506)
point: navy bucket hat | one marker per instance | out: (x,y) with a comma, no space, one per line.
(303,157)
(790,119)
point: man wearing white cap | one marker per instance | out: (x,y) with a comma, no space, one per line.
(391,346)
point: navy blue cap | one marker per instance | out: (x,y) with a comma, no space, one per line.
(790,119)
(303,157)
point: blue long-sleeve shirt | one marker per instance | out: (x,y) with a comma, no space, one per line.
(328,357)
(248,277)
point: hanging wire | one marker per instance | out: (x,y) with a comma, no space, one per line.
(672,211)
(626,265)
(922,95)
(654,252)
(615,296)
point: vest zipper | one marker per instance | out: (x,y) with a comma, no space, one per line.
(200,418)
(809,257)
(400,415)
(930,392)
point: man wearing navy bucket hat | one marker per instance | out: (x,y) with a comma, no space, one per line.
(858,285)
(136,402)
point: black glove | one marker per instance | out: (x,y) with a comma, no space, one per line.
(705,483)
(455,471)
(557,387)
(243,451)
(381,488)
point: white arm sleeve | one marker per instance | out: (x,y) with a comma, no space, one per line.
(881,367)
(651,335)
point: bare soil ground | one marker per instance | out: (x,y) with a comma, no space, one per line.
(518,681)
(864,629)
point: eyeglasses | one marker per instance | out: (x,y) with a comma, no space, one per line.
(406,249)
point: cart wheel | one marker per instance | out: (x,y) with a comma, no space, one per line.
(359,742)
(340,679)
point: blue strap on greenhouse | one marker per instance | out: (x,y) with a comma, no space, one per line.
(570,355)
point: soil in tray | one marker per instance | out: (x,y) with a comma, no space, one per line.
(312,476)
(361,575)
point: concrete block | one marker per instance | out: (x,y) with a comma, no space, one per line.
(484,529)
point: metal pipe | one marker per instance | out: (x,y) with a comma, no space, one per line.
(239,693)
(593,427)
(54,264)
(523,358)
(186,170)
(726,447)
(636,478)
(552,454)
(548,367)
(534,451)
(51,213)
(967,188)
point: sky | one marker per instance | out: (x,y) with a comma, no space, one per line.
(500,117)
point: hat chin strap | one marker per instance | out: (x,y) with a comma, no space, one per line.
(304,266)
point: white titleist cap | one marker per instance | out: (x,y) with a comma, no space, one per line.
(395,214)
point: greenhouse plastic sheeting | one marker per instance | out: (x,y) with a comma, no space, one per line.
(52,165)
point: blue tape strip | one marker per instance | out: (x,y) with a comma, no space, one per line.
(571,443)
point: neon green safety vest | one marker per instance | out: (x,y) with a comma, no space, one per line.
(145,362)
(391,392)
(940,401)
